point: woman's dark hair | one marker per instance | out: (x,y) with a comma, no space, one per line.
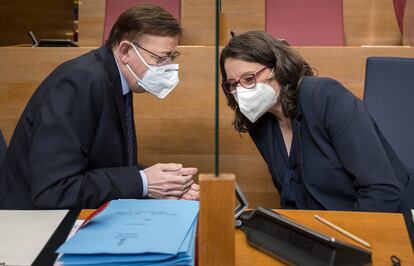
(289,69)
(140,20)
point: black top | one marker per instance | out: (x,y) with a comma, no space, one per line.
(294,194)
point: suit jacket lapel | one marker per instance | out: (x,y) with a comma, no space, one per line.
(303,136)
(134,138)
(113,74)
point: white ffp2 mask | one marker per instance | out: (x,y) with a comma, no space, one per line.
(158,80)
(254,102)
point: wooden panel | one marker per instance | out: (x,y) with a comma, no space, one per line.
(243,15)
(371,22)
(91,22)
(46,18)
(197,20)
(254,178)
(347,64)
(408,23)
(216,244)
(180,128)
(393,239)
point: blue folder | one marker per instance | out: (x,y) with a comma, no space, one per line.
(136,232)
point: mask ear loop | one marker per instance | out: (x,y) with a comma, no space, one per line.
(270,75)
(140,57)
(269,78)
(130,69)
(132,72)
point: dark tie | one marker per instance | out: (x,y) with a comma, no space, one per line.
(129,123)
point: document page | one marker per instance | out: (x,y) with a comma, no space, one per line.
(24,233)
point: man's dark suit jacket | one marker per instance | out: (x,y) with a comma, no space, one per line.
(69,147)
(346,162)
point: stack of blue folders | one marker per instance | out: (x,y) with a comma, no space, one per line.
(136,232)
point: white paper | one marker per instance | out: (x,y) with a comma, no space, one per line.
(23,234)
(412,215)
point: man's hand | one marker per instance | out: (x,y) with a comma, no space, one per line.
(169,180)
(193,193)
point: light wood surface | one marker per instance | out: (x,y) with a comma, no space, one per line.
(180,128)
(216,220)
(386,232)
(408,23)
(197,21)
(371,22)
(91,22)
(347,64)
(242,16)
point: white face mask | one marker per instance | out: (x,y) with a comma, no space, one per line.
(158,80)
(254,102)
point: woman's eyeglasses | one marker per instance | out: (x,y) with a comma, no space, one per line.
(161,60)
(247,81)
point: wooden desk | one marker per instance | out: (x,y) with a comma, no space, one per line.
(386,232)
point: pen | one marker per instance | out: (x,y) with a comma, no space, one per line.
(342,231)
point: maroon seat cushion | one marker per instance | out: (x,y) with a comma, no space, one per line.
(304,22)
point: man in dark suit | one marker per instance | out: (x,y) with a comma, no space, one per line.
(74,145)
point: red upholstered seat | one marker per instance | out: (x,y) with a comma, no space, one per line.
(114,8)
(306,22)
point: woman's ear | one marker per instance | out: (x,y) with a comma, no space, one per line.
(123,51)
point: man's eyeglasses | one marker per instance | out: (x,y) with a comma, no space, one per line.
(248,81)
(161,60)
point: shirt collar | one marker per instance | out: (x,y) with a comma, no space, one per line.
(124,83)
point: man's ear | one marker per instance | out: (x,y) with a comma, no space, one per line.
(123,51)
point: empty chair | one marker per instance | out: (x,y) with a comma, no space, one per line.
(304,22)
(114,8)
(389,96)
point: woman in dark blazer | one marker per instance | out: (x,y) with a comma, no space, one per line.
(322,148)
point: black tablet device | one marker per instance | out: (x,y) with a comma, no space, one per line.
(294,243)
(51,42)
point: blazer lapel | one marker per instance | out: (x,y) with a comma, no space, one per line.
(135,153)
(113,74)
(302,133)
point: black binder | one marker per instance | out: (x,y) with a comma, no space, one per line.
(48,256)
